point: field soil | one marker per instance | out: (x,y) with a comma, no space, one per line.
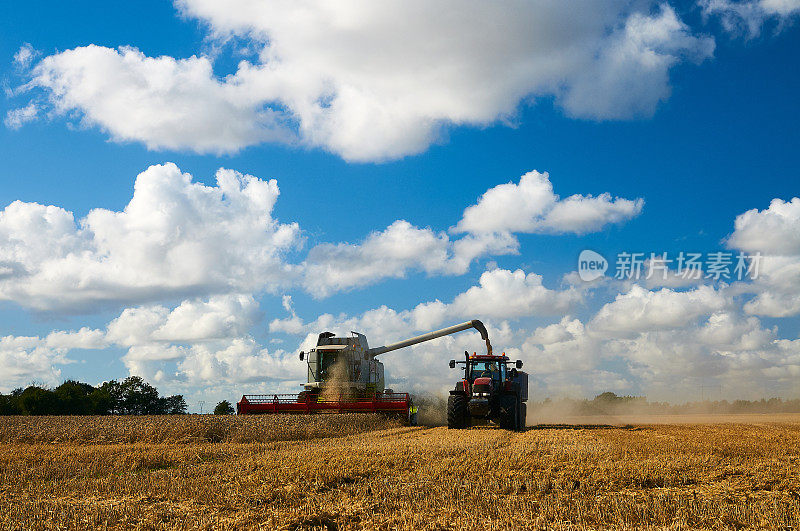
(364,472)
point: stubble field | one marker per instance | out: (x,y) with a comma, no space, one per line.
(354,472)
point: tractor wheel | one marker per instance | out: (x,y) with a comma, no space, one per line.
(456,412)
(509,419)
(523,416)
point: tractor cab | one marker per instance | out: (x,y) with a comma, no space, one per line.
(487,368)
(481,367)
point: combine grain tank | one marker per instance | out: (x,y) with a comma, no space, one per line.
(345,376)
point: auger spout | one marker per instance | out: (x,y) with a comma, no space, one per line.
(476,324)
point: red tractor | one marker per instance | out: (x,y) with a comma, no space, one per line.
(493,389)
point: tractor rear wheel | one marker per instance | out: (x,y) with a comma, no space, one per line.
(456,412)
(510,416)
(523,416)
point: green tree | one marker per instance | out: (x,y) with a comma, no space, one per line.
(111,392)
(223,408)
(9,405)
(100,401)
(139,397)
(73,398)
(173,405)
(38,401)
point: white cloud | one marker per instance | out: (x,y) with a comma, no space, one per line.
(500,294)
(630,73)
(179,238)
(27,359)
(430,65)
(531,206)
(640,310)
(750,16)
(25,55)
(774,231)
(163,102)
(389,253)
(197,343)
(16,118)
(200,342)
(664,343)
(175,237)
(219,317)
(775,234)
(504,294)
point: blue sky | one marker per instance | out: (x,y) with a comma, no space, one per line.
(687,110)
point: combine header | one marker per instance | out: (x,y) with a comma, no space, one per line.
(344,376)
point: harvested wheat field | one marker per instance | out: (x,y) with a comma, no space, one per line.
(363,472)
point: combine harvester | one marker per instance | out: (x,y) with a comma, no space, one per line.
(344,376)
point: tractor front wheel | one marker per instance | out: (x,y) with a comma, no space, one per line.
(456,412)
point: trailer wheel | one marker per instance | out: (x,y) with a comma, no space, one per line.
(456,412)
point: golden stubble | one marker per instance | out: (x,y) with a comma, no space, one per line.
(365,472)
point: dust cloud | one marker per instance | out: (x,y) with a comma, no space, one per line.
(431,409)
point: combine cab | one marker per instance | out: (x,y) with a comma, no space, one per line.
(345,376)
(490,391)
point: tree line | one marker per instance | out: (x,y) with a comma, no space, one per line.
(131,396)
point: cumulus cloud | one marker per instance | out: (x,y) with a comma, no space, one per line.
(193,320)
(774,234)
(393,253)
(175,237)
(640,309)
(389,253)
(531,206)
(664,343)
(196,343)
(24,360)
(200,342)
(774,231)
(430,65)
(179,238)
(630,73)
(507,294)
(499,294)
(750,16)
(160,101)
(486,229)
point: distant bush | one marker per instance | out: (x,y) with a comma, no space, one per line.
(224,408)
(131,396)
